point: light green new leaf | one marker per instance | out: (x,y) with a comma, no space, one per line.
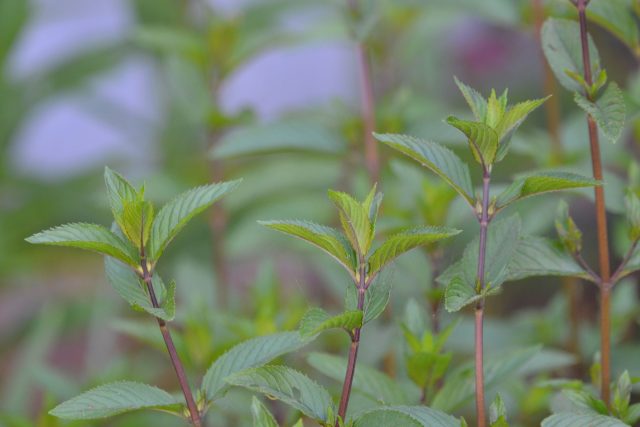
(119,191)
(316,320)
(495,108)
(616,16)
(261,415)
(608,111)
(442,161)
(563,49)
(249,354)
(355,220)
(540,183)
(288,385)
(113,399)
(404,241)
(367,381)
(90,237)
(581,420)
(176,214)
(129,286)
(136,221)
(476,101)
(483,140)
(511,121)
(406,416)
(326,238)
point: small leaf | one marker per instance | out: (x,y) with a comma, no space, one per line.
(405,416)
(608,111)
(569,233)
(404,241)
(119,191)
(632,204)
(459,294)
(442,161)
(476,101)
(176,214)
(581,420)
(326,238)
(288,385)
(261,415)
(563,49)
(90,237)
(136,221)
(498,413)
(354,217)
(251,353)
(113,399)
(317,320)
(483,140)
(375,300)
(511,121)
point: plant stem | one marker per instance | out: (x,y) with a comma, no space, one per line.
(171,348)
(601,220)
(479,313)
(361,285)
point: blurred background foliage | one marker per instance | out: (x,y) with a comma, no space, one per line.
(181,92)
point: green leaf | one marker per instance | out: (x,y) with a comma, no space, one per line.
(113,399)
(563,49)
(616,16)
(136,221)
(476,101)
(375,300)
(632,204)
(442,161)
(355,220)
(406,416)
(279,136)
(328,239)
(176,214)
(120,192)
(540,183)
(288,385)
(261,415)
(581,420)
(498,413)
(608,111)
(249,354)
(459,294)
(495,109)
(483,140)
(90,237)
(367,381)
(404,241)
(511,121)
(569,233)
(316,320)
(133,290)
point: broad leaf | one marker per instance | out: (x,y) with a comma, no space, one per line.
(261,415)
(476,101)
(317,320)
(288,385)
(130,287)
(540,183)
(442,161)
(136,221)
(406,416)
(483,140)
(404,241)
(608,111)
(562,47)
(90,237)
(113,399)
(326,238)
(581,420)
(249,354)
(367,381)
(174,215)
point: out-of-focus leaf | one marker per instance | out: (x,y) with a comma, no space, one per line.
(406,416)
(616,16)
(581,420)
(261,415)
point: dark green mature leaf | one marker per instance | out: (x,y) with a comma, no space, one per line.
(368,381)
(608,111)
(476,101)
(115,398)
(288,385)
(406,416)
(404,241)
(278,136)
(326,238)
(562,47)
(261,415)
(316,320)
(483,140)
(129,286)
(581,420)
(176,214)
(442,161)
(249,354)
(616,16)
(90,237)
(540,183)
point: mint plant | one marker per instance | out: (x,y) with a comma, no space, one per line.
(132,249)
(365,300)
(500,252)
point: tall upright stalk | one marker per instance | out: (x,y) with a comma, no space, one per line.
(479,311)
(601,219)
